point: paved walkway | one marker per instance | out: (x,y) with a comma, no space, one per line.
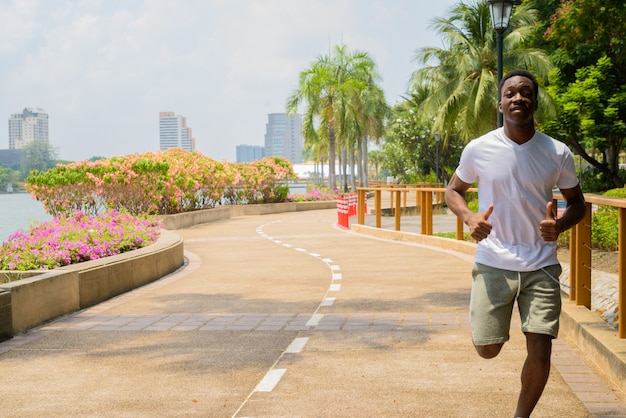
(288,315)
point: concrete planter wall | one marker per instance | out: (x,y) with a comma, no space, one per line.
(187,219)
(32,301)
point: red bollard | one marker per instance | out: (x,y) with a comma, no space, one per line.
(339,211)
(352,208)
(342,212)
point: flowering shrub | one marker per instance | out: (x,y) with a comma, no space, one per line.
(259,181)
(76,238)
(314,196)
(165,182)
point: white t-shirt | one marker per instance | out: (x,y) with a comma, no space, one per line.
(518,181)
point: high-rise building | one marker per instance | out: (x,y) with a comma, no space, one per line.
(283,137)
(249,153)
(27,126)
(174,132)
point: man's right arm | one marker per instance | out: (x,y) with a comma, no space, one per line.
(455,198)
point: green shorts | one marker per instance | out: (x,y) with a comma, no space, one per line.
(494,291)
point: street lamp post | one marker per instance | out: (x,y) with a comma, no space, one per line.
(500,15)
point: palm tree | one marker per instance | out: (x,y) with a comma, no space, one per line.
(375,158)
(365,121)
(462,78)
(315,149)
(375,112)
(330,88)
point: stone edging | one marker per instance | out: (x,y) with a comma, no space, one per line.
(220,213)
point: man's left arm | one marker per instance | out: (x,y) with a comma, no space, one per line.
(574,212)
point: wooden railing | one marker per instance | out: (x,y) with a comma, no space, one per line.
(427,198)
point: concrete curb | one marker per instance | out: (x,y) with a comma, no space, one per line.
(463,247)
(187,219)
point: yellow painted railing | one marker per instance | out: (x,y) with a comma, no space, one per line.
(426,197)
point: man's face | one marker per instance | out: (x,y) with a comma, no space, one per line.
(518,102)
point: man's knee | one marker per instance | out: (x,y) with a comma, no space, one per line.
(539,347)
(488,351)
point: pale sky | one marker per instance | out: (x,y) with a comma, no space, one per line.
(104,69)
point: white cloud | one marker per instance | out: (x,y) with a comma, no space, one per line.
(104,69)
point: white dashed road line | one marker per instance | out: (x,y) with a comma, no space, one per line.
(297,345)
(273,376)
(271,379)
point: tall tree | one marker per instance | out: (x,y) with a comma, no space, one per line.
(586,37)
(317,87)
(462,78)
(374,160)
(583,31)
(375,112)
(315,150)
(363,118)
(328,89)
(7,176)
(591,118)
(410,138)
(37,155)
(544,9)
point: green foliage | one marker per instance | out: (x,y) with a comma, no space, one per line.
(621,193)
(459,82)
(595,181)
(583,31)
(343,104)
(604,231)
(37,155)
(7,176)
(472,201)
(452,235)
(592,114)
(412,153)
(259,182)
(543,9)
(585,39)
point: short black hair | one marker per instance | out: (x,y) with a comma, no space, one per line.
(522,73)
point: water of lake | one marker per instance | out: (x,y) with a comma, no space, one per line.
(19,211)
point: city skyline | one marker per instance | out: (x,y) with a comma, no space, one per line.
(103,70)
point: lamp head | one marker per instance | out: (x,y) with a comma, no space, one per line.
(501,13)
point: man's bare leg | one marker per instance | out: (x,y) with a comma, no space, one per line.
(488,351)
(535,372)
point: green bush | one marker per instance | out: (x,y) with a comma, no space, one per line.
(604,231)
(594,181)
